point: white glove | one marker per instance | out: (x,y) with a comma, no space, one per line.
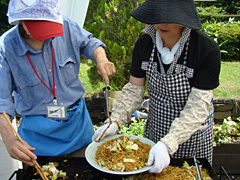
(112,129)
(159,156)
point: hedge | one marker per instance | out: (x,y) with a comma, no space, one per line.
(217,17)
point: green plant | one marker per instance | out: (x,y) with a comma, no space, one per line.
(112,23)
(95,127)
(135,128)
(210,9)
(215,12)
(3,18)
(227,132)
(229,39)
(230,6)
(227,35)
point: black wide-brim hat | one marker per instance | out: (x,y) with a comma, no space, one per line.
(181,12)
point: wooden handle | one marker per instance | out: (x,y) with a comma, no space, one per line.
(36,165)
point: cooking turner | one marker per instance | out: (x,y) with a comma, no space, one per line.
(110,121)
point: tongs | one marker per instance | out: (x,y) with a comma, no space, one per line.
(197,167)
(110,121)
(36,165)
(229,178)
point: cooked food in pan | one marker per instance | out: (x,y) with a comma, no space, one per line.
(122,154)
(186,172)
(51,171)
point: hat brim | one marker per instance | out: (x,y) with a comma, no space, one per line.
(42,30)
(163,12)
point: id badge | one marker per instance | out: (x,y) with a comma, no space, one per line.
(56,112)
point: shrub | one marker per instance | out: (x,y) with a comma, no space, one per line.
(229,6)
(136,127)
(217,17)
(113,24)
(229,39)
(3,18)
(213,13)
(227,132)
(227,35)
(210,9)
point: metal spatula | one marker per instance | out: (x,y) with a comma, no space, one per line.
(106,94)
(110,122)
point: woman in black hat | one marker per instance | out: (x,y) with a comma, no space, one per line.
(181,66)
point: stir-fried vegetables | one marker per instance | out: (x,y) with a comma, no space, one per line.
(51,171)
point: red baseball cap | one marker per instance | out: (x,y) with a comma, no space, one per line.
(41,30)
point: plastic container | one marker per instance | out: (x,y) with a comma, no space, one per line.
(113,97)
(139,114)
(145,104)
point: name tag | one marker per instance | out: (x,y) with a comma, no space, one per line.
(56,112)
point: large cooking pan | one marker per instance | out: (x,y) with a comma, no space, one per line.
(78,168)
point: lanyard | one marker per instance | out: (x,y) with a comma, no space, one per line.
(53,92)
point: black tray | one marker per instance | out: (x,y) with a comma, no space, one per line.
(78,168)
(202,161)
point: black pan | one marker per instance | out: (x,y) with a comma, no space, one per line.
(78,168)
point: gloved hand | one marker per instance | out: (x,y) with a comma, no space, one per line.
(112,129)
(159,157)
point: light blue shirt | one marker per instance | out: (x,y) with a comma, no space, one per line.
(16,74)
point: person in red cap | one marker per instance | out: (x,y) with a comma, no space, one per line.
(181,66)
(39,64)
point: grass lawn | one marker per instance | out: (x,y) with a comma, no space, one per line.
(90,89)
(229,81)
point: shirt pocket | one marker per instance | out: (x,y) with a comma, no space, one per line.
(31,89)
(68,70)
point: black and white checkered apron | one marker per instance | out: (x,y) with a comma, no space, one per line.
(168,93)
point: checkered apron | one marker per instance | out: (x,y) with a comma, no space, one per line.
(168,93)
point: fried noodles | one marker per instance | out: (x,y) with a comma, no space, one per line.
(185,172)
(122,154)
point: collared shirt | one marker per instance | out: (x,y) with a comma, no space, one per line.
(16,74)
